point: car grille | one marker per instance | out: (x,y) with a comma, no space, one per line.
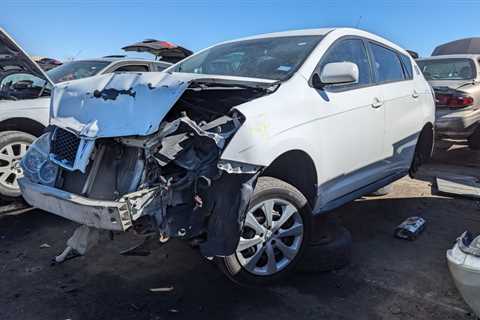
(64,146)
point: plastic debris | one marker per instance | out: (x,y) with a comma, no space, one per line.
(164,289)
(410,228)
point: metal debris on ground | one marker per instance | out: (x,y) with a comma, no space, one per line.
(44,246)
(15,208)
(410,228)
(164,289)
(465,186)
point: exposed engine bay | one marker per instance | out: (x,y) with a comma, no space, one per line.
(170,183)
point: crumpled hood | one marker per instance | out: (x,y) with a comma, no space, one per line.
(124,104)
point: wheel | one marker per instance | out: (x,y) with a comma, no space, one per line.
(474,139)
(277,227)
(423,149)
(13,145)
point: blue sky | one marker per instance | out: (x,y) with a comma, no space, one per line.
(87,28)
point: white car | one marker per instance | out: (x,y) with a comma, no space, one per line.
(235,148)
(25,95)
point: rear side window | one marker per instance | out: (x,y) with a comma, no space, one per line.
(407,66)
(132,68)
(350,50)
(387,64)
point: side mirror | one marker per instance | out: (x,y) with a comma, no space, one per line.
(336,73)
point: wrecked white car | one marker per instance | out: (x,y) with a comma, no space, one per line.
(236,147)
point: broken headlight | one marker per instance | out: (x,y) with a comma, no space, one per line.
(36,165)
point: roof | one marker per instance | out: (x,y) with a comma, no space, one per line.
(114,59)
(323,32)
(462,46)
(452,56)
(302,32)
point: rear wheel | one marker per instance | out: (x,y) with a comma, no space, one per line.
(474,139)
(13,145)
(423,149)
(275,233)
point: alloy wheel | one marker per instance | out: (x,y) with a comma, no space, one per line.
(271,237)
(10,170)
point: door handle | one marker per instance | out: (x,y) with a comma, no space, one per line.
(415,94)
(377,103)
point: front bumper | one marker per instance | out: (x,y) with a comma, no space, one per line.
(108,215)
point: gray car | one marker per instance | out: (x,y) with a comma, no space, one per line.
(455,80)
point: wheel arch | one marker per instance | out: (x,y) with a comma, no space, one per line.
(297,168)
(22,124)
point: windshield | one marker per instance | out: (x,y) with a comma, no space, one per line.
(268,58)
(448,69)
(76,70)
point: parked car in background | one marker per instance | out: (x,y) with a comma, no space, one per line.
(235,148)
(25,98)
(453,71)
(46,63)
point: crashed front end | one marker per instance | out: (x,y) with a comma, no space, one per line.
(142,152)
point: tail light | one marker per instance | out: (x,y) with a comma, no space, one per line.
(454,100)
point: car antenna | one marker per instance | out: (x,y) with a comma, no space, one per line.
(358,21)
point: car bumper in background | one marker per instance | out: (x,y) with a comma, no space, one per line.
(457,124)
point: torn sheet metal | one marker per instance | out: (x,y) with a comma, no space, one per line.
(465,186)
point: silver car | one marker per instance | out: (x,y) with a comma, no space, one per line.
(455,80)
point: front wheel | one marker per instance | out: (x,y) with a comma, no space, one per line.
(13,145)
(276,230)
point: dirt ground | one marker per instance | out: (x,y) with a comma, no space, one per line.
(388,278)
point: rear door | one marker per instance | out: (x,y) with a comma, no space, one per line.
(352,134)
(403,112)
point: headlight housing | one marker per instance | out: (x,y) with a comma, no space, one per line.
(35,163)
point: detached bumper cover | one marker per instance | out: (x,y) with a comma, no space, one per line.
(457,121)
(108,215)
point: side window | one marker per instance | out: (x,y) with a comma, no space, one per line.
(132,68)
(350,50)
(407,65)
(159,67)
(22,79)
(387,64)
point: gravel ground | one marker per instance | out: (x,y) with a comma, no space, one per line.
(388,278)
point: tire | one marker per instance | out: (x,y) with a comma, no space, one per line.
(332,255)
(474,140)
(252,266)
(423,149)
(13,145)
